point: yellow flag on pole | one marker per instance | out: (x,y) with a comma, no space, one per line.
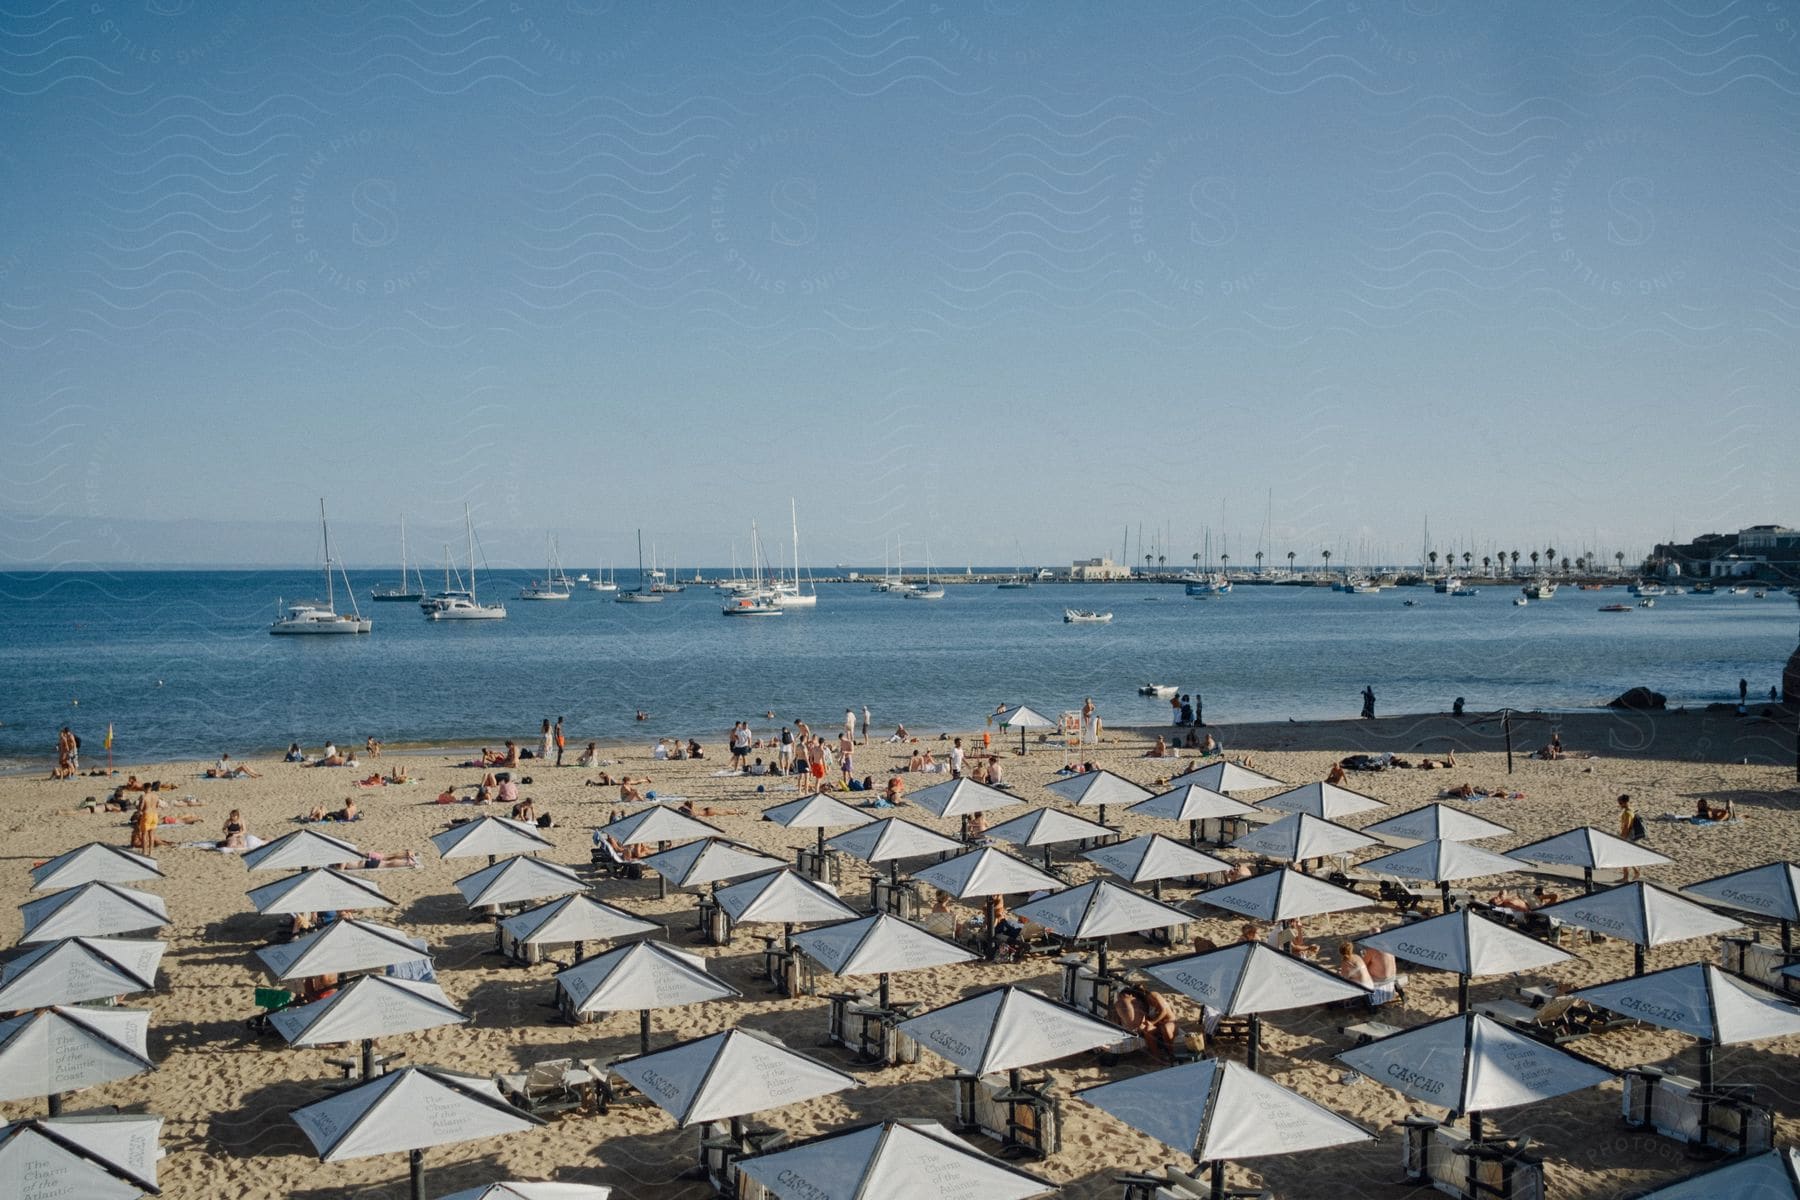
(109,736)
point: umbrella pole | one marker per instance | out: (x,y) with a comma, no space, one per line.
(1021,739)
(1255,1040)
(1462,993)
(418,1174)
(662,881)
(368,1058)
(1156,889)
(821,850)
(1046,858)
(56,1104)
(1706,1066)
(1475,1127)
(1103,944)
(993,931)
(1444,893)
(884,990)
(643,1031)
(1637,960)
(1218,1179)
(1787,937)
(1587,879)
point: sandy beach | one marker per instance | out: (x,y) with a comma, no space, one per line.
(226,1093)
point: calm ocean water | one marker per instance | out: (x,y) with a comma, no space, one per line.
(181,663)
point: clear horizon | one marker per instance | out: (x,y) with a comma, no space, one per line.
(1007,282)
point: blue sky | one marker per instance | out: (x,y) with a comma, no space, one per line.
(1009,278)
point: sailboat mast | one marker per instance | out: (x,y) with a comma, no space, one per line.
(794,517)
(469,530)
(325,533)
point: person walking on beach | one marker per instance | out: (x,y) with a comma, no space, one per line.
(784,752)
(867,727)
(544,739)
(956,759)
(1743,691)
(1368,710)
(65,754)
(1631,828)
(559,741)
(850,723)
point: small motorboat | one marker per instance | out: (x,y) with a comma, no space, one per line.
(1085,616)
(1615,608)
(1520,602)
(1409,604)
(1647,602)
(1465,591)
(1758,595)
(1163,690)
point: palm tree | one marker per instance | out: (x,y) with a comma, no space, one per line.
(1148,559)
(1224,563)
(1259,562)
(1290,562)
(1468,557)
(1327,555)
(1433,558)
(1534,562)
(1160,560)
(1515,562)
(1619,558)
(1565,564)
(1550,558)
(1487,565)
(1196,562)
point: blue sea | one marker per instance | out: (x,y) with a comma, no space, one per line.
(182,664)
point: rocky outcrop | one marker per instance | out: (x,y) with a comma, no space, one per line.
(1640,699)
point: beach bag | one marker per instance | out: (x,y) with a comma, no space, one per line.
(1638,832)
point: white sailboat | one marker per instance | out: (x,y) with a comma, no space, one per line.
(788,594)
(926,590)
(759,602)
(888,583)
(456,592)
(555,584)
(644,592)
(470,607)
(402,590)
(310,616)
(602,582)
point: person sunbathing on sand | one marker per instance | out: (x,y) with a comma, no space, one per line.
(1160,750)
(628,790)
(235,831)
(1337,774)
(689,809)
(348,812)
(226,769)
(605,780)
(447,796)
(376,860)
(1706,812)
(332,759)
(397,774)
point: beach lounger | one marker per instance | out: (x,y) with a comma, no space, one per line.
(1370,1031)
(1562,1019)
(553,1087)
(1176,1184)
(615,866)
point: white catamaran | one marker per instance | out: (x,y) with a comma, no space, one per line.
(310,616)
(469,607)
(644,592)
(402,590)
(788,594)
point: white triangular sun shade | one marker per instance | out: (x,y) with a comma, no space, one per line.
(1300,836)
(520,1190)
(517,1190)
(371,1006)
(783,897)
(730,1074)
(1278,895)
(915,1160)
(410,1109)
(878,945)
(1433,823)
(816,812)
(1771,1175)
(1640,914)
(892,838)
(961,797)
(91,910)
(95,862)
(1227,777)
(1771,891)
(986,872)
(1326,801)
(320,889)
(1462,942)
(301,849)
(574,919)
(58,1050)
(1005,1028)
(1091,789)
(1217,1110)
(519,880)
(76,970)
(1441,862)
(1586,847)
(709,861)
(1700,1000)
(1151,857)
(1046,827)
(79,1158)
(658,823)
(1100,909)
(1022,716)
(1249,977)
(1190,802)
(342,947)
(1471,1063)
(490,837)
(641,977)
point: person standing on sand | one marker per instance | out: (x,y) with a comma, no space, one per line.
(1368,710)
(1631,828)
(867,726)
(544,739)
(1743,691)
(559,741)
(850,723)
